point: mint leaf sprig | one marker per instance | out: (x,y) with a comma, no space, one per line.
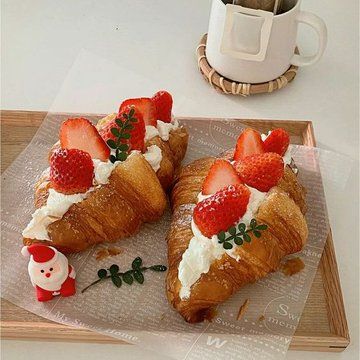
(128,277)
(122,132)
(240,234)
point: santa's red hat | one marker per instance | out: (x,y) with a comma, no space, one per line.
(41,255)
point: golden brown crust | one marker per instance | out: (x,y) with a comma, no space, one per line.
(190,181)
(290,184)
(286,234)
(112,211)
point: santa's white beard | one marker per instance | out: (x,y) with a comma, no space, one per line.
(54,282)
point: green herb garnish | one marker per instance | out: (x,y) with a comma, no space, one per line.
(128,277)
(122,134)
(240,234)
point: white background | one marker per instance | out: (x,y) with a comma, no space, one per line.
(156,39)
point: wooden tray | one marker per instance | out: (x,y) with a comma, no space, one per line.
(322,327)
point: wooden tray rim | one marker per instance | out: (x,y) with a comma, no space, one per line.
(339,337)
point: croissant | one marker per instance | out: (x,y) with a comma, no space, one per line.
(282,211)
(134,194)
(113,211)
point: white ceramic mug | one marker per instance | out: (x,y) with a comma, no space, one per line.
(254,46)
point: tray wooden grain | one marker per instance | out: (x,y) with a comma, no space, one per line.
(323,325)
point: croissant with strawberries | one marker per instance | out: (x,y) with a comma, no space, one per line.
(234,219)
(105,181)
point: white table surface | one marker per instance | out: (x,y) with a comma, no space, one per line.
(156,39)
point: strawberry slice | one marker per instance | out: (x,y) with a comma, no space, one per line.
(136,131)
(261,171)
(221,174)
(163,103)
(221,210)
(277,141)
(80,133)
(143,105)
(71,171)
(249,142)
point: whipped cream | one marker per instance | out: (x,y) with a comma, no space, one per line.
(256,198)
(150,132)
(162,129)
(153,156)
(203,251)
(103,170)
(56,206)
(202,197)
(264,136)
(197,259)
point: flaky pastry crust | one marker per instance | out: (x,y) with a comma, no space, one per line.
(134,195)
(282,210)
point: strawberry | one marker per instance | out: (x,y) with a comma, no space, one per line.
(221,174)
(71,171)
(163,103)
(277,141)
(249,142)
(145,106)
(80,133)
(221,210)
(136,140)
(261,171)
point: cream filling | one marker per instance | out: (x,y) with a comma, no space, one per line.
(153,156)
(162,129)
(58,204)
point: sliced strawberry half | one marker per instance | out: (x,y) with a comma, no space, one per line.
(71,171)
(261,171)
(163,102)
(249,142)
(143,105)
(221,174)
(221,210)
(136,130)
(277,141)
(80,133)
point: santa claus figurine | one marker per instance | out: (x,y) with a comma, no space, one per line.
(50,272)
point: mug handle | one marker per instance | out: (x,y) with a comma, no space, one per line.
(319,26)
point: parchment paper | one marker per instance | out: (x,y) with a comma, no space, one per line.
(140,314)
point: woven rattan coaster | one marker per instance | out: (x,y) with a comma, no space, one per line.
(227,86)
